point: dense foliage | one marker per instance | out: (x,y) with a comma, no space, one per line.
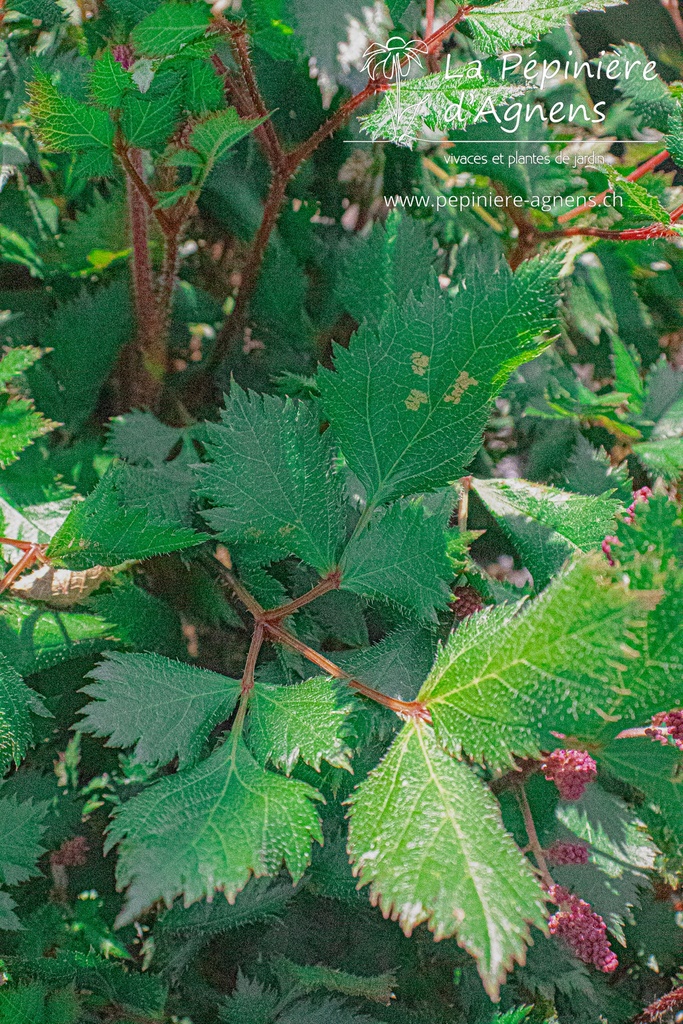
(343,606)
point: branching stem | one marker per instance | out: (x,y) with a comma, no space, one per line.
(328,583)
(284,165)
(269,624)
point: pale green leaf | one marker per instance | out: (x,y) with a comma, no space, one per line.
(408,402)
(212,827)
(545,524)
(289,497)
(397,665)
(377,988)
(512,23)
(34,638)
(428,837)
(638,205)
(442,102)
(653,769)
(307,721)
(162,707)
(401,557)
(167,29)
(663,457)
(510,677)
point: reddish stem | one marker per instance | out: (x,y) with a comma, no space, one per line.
(406,709)
(276,615)
(430,17)
(644,168)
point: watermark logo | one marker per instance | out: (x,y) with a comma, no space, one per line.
(393,61)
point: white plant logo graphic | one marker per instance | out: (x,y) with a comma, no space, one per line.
(393,60)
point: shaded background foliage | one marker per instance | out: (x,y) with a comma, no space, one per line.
(103,425)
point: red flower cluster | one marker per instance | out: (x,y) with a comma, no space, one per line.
(562,853)
(581,929)
(643,494)
(667,725)
(571,771)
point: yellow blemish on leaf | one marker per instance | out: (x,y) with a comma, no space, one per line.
(461,385)
(420,363)
(415,399)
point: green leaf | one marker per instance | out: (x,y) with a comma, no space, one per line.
(512,23)
(290,498)
(67,124)
(377,988)
(638,204)
(663,457)
(20,425)
(139,619)
(109,80)
(35,1004)
(397,665)
(35,638)
(408,402)
(9,921)
(420,810)
(627,379)
(66,384)
(141,438)
(142,994)
(203,87)
(306,721)
(620,856)
(653,769)
(649,98)
(262,901)
(148,120)
(394,260)
(170,27)
(16,703)
(401,557)
(545,524)
(17,361)
(163,707)
(673,141)
(21,829)
(510,677)
(212,827)
(47,11)
(106,530)
(216,134)
(442,102)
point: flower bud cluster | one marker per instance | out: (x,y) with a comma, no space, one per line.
(665,726)
(581,929)
(571,771)
(562,853)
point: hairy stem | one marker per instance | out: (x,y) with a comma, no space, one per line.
(328,583)
(285,165)
(240,47)
(534,844)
